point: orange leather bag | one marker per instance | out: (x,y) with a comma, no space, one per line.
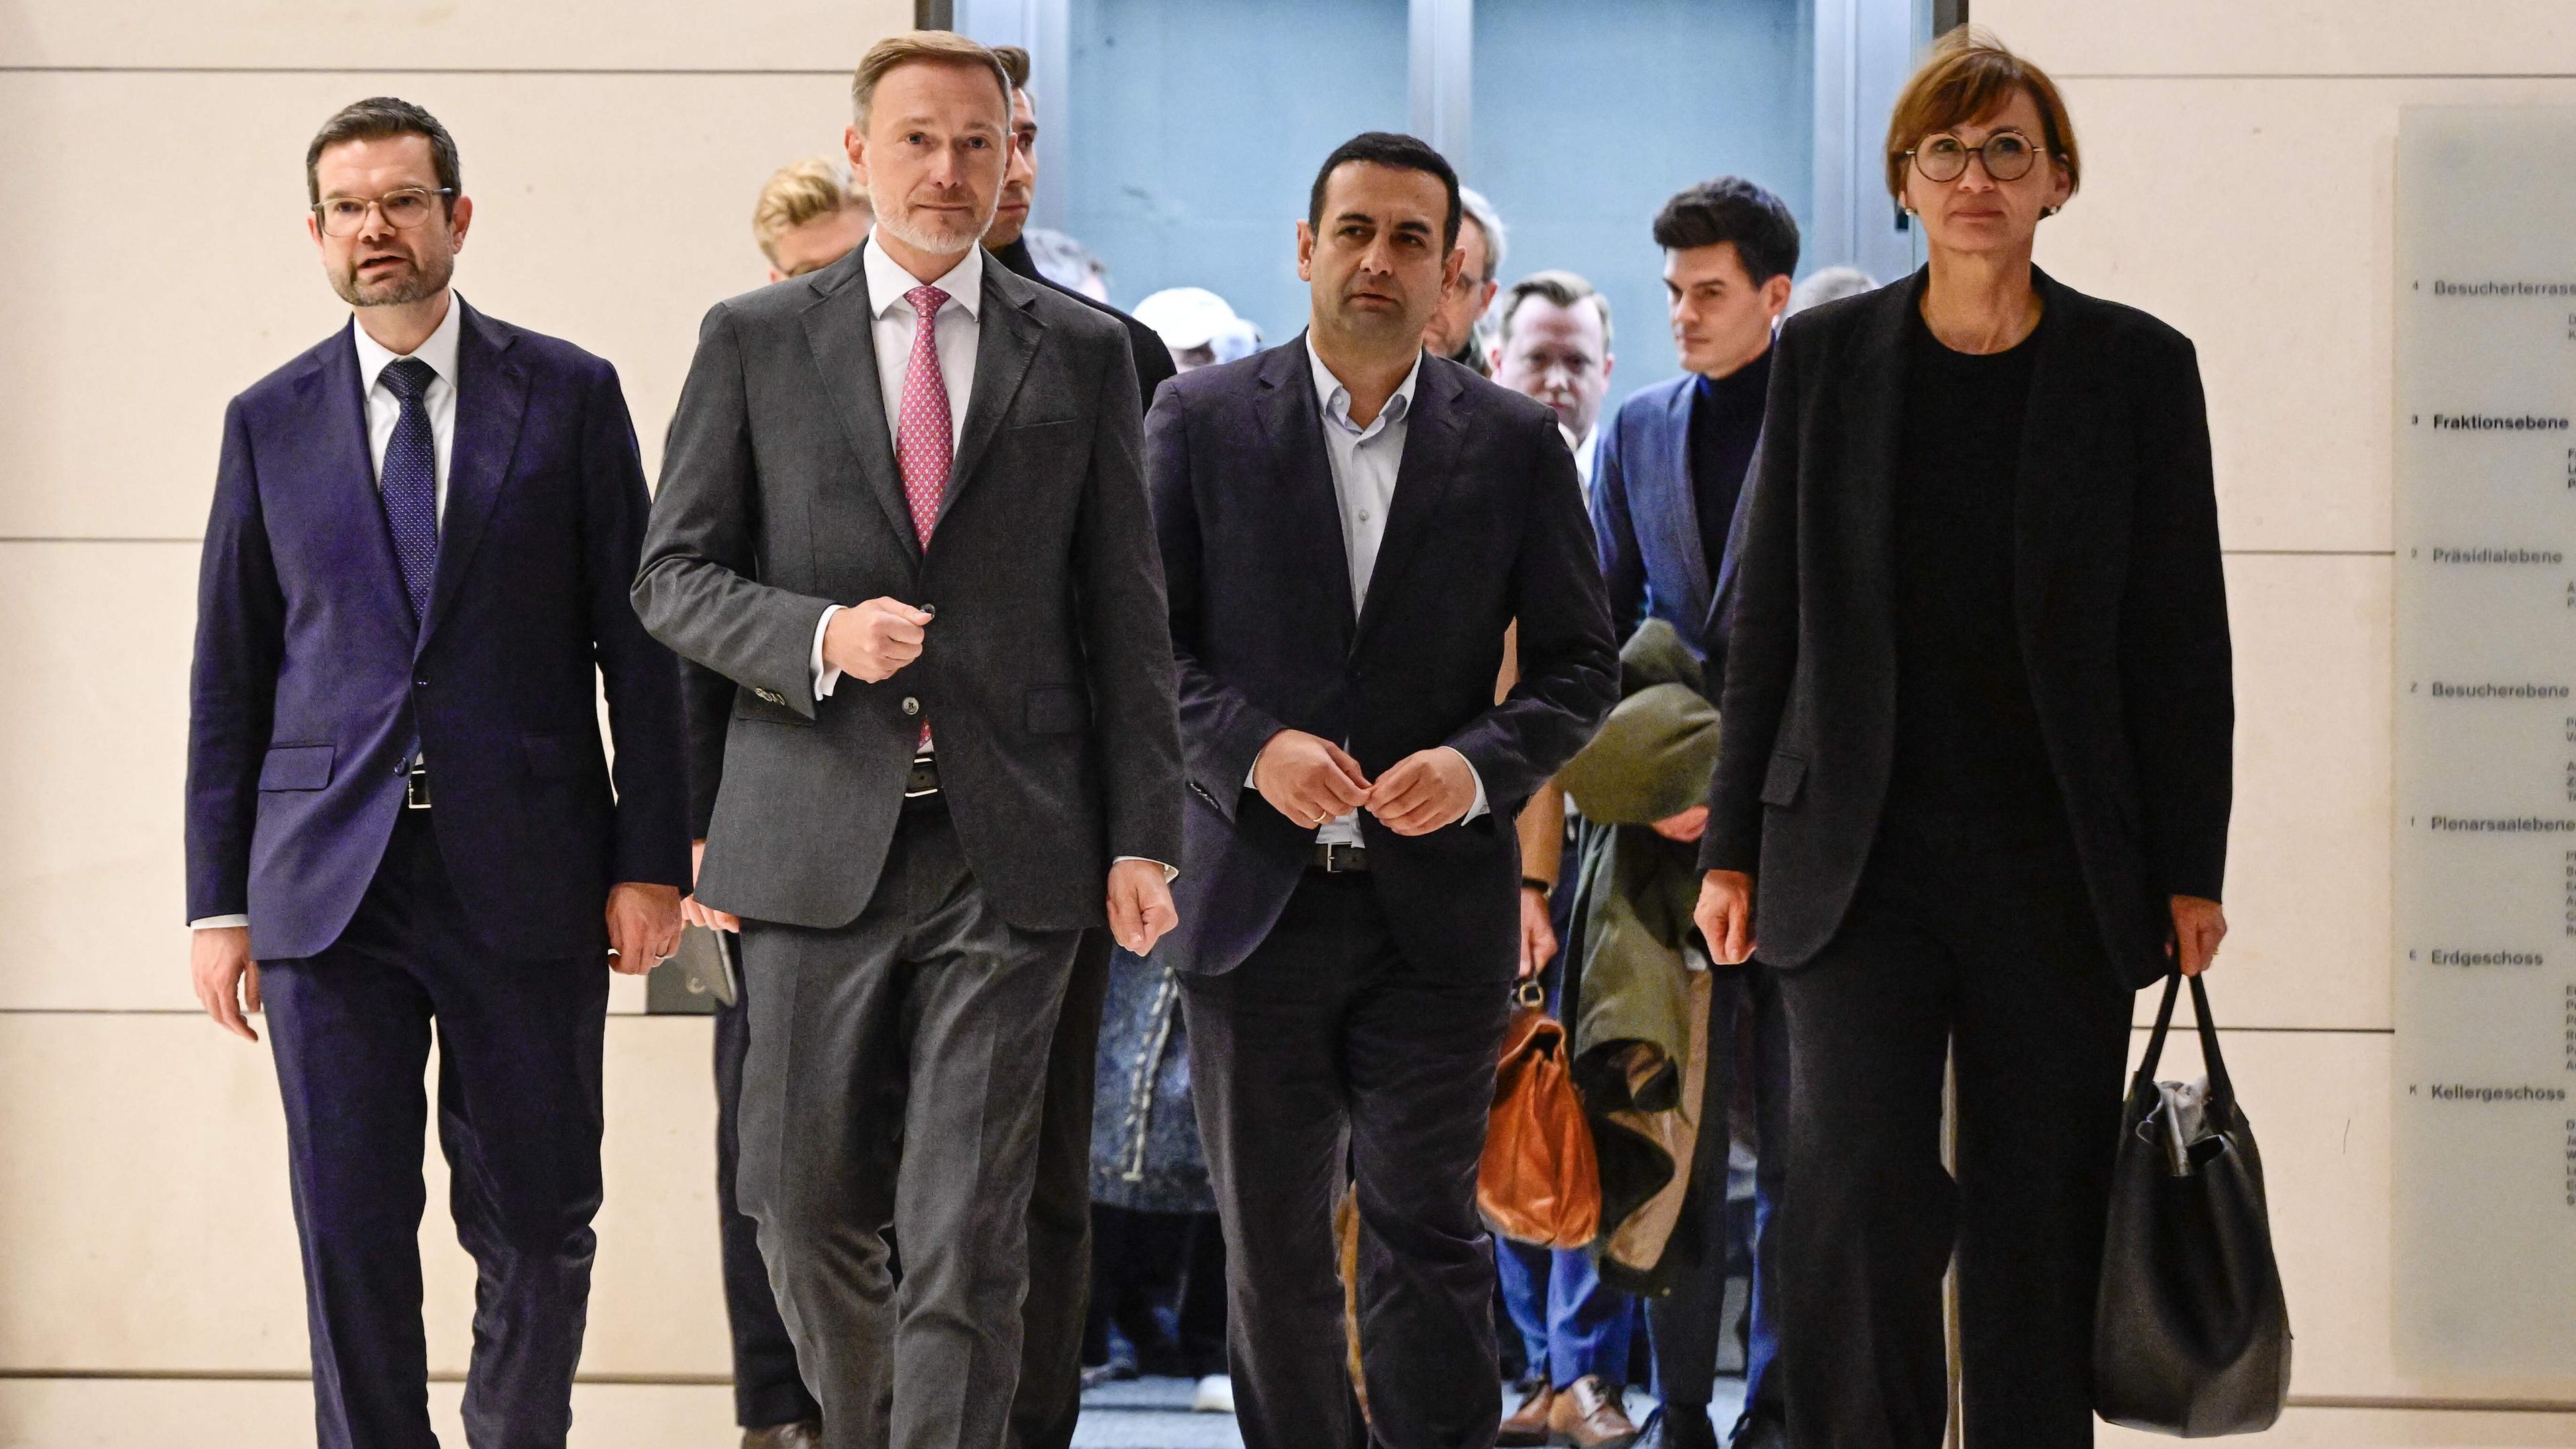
(1539,1181)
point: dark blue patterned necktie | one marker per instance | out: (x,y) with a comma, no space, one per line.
(410,484)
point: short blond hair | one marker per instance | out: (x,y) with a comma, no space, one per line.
(807,191)
(938,47)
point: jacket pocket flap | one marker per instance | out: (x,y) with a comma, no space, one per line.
(296,767)
(1780,784)
(1056,709)
(550,757)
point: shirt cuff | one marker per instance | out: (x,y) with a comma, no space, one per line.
(1482,806)
(220,923)
(824,679)
(1171,873)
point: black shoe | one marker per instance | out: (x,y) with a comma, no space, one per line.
(1759,1430)
(1678,1426)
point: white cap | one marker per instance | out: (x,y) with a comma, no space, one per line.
(1191,317)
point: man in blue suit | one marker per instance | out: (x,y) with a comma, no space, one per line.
(1664,497)
(399,811)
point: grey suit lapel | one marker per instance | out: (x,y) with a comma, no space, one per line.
(1006,340)
(840,330)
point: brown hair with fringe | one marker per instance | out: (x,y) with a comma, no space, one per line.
(1967,77)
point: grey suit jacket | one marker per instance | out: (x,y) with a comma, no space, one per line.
(1048,672)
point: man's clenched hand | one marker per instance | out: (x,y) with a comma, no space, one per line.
(871,641)
(1140,904)
(643,925)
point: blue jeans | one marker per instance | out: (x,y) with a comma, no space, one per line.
(1569,1324)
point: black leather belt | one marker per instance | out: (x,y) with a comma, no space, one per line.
(1339,859)
(924,779)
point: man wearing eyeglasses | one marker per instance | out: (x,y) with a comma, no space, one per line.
(400,816)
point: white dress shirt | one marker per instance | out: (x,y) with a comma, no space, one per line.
(383,411)
(895,323)
(1365,462)
(1584,448)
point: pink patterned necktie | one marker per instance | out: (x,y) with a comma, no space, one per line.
(921,436)
(922,444)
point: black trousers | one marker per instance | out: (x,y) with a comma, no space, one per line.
(767,1390)
(519,1047)
(1329,1046)
(1994,957)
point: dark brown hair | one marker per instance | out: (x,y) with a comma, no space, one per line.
(1968,76)
(380,116)
(1015,64)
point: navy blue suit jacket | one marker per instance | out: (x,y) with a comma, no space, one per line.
(311,677)
(1486,528)
(1646,514)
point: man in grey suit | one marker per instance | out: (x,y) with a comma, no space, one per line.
(925,789)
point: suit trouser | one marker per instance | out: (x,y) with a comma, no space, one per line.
(1684,1324)
(1999,963)
(1049,1398)
(896,1070)
(767,1390)
(519,1046)
(1326,1046)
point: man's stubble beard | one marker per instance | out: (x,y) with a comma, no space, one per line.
(423,281)
(900,227)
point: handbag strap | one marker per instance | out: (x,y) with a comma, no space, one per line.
(2222,1091)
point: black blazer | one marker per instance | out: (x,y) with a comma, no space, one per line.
(2121,604)
(1047,676)
(1487,527)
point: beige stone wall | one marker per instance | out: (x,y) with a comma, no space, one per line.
(2238,163)
(153,263)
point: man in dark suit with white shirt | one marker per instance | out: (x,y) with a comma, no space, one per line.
(400,816)
(929,792)
(1348,529)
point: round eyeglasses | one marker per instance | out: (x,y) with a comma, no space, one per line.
(2006,155)
(403,209)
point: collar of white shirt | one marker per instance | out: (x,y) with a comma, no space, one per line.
(1337,398)
(888,281)
(439,351)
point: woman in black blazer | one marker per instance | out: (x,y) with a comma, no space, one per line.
(1975,775)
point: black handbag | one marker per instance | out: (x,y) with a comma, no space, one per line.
(2191,1334)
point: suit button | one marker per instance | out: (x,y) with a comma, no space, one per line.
(420,683)
(911,705)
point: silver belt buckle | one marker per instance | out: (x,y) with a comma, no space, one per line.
(416,788)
